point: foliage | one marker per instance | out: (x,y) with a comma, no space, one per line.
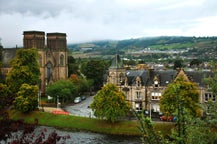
(180,92)
(94,69)
(64,89)
(25,69)
(149,135)
(26,99)
(212,82)
(5,96)
(178,64)
(109,103)
(18,132)
(204,131)
(82,85)
(73,67)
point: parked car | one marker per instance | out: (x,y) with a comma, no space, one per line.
(166,118)
(83,97)
(77,100)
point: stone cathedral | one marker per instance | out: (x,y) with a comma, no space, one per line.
(52,51)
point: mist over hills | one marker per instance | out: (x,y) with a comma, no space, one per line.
(198,47)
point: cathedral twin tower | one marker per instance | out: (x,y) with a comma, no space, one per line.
(52,55)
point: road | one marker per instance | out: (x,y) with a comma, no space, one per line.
(81,109)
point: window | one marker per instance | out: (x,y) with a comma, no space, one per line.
(156,84)
(209,96)
(61,60)
(138,106)
(155,95)
(138,95)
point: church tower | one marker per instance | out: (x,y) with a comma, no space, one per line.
(117,72)
(52,58)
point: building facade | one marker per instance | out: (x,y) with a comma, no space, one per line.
(144,88)
(52,55)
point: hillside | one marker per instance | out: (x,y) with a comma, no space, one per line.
(194,47)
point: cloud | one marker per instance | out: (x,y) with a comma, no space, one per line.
(86,20)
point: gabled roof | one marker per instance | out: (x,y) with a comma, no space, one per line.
(165,76)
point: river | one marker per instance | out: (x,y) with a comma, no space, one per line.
(81,137)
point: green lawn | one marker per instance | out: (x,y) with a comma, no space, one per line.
(68,122)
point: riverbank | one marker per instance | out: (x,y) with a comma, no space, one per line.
(75,123)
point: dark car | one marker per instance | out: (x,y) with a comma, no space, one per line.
(83,97)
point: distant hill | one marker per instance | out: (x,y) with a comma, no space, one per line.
(205,47)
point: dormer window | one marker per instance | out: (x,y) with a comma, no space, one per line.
(156,84)
(138,82)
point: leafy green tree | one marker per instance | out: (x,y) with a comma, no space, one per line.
(27,99)
(65,90)
(178,64)
(25,69)
(203,131)
(5,96)
(109,103)
(73,67)
(181,98)
(149,135)
(180,93)
(82,85)
(94,69)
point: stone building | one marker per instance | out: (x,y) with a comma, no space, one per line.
(52,52)
(144,88)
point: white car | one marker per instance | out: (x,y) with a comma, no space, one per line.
(77,100)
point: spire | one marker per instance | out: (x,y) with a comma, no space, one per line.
(117,62)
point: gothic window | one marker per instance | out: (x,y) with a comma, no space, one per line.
(49,69)
(40,60)
(61,60)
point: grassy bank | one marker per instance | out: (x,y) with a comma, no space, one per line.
(68,122)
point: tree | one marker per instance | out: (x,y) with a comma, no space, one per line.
(178,64)
(180,92)
(203,130)
(149,135)
(82,85)
(65,90)
(5,96)
(181,98)
(72,66)
(25,69)
(94,69)
(27,99)
(109,103)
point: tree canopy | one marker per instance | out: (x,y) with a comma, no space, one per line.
(26,99)
(25,69)
(109,103)
(180,92)
(94,69)
(65,90)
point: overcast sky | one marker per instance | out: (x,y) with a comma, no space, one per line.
(87,20)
